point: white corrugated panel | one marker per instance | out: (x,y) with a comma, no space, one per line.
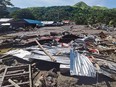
(5,19)
(40,55)
(20,53)
(4,24)
(80,65)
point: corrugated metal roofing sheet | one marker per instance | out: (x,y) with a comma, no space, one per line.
(5,19)
(80,65)
(33,21)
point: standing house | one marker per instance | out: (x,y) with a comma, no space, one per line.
(5,21)
(48,23)
(68,22)
(5,24)
(33,23)
(26,23)
(10,23)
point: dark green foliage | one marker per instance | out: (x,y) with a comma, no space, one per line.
(12,9)
(3,8)
(81,5)
(23,13)
(81,13)
(99,8)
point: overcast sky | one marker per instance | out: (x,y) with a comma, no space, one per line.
(46,3)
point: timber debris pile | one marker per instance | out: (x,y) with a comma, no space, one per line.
(58,59)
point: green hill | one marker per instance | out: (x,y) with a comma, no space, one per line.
(99,8)
(12,9)
(81,5)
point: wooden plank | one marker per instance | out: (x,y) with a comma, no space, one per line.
(14,72)
(12,68)
(3,76)
(2,69)
(50,56)
(19,74)
(103,57)
(13,83)
(30,76)
(23,83)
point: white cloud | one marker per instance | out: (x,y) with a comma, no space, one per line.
(39,3)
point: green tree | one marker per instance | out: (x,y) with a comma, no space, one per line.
(23,13)
(81,13)
(3,7)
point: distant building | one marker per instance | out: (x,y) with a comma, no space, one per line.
(26,23)
(5,21)
(68,22)
(52,23)
(48,23)
(12,24)
(5,24)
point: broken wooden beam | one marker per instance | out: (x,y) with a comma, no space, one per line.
(20,84)
(3,76)
(30,76)
(50,56)
(2,70)
(19,74)
(13,83)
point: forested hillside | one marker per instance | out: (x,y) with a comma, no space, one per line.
(81,13)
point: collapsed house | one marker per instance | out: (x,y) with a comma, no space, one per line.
(81,56)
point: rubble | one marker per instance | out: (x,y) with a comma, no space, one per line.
(75,55)
(17,75)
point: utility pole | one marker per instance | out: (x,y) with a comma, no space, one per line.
(58,16)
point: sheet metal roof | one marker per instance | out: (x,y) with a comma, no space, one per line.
(33,21)
(80,65)
(5,19)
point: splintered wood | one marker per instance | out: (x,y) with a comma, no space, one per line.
(17,76)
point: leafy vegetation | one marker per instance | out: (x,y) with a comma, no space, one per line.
(23,13)
(80,13)
(3,7)
(12,9)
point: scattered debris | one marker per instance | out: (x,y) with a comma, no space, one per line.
(77,55)
(19,76)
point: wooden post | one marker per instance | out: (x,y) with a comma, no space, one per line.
(50,56)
